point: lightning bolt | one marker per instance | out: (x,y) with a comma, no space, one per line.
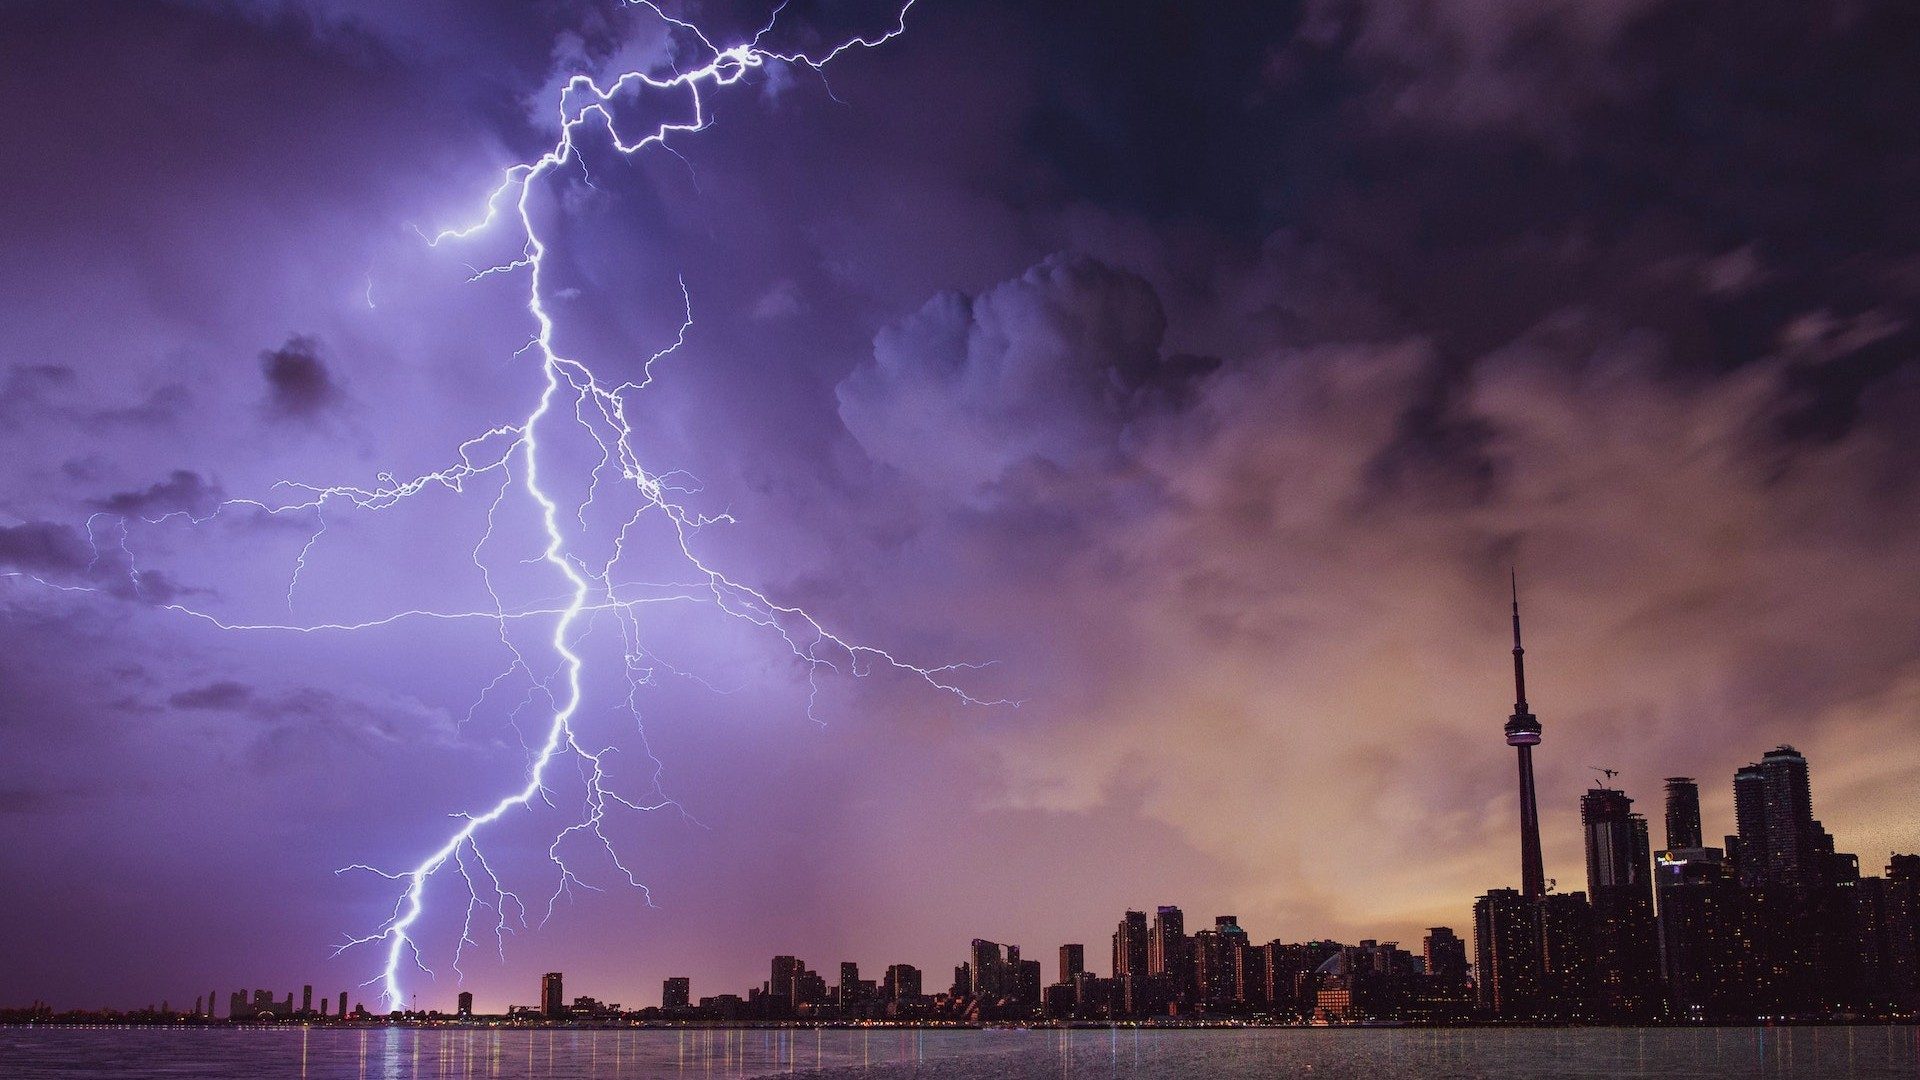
(571,392)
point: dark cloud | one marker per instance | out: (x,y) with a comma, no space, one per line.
(221,696)
(183,492)
(1624,291)
(1051,366)
(299,385)
(43,547)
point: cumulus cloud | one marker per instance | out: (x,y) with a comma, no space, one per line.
(1050,367)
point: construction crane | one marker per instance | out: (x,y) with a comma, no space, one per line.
(1606,772)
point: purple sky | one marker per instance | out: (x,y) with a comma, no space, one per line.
(1204,365)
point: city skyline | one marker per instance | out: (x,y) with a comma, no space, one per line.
(1619,856)
(1042,462)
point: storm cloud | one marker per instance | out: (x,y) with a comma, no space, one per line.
(1207,374)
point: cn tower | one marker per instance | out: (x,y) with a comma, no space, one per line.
(1523,733)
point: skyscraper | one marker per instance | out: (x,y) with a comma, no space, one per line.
(1073,961)
(784,981)
(1444,956)
(343,1004)
(1130,945)
(553,1004)
(1523,734)
(993,975)
(676,993)
(1626,951)
(1683,814)
(1506,954)
(306,998)
(1170,953)
(902,982)
(465,1003)
(1780,842)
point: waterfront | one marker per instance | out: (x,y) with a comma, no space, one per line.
(999,1054)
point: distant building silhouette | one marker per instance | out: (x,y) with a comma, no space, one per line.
(465,1004)
(1626,950)
(1683,813)
(1444,956)
(902,982)
(553,1001)
(676,993)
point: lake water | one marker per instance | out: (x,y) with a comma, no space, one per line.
(1375,1054)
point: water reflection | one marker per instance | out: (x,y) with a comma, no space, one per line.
(1084,1054)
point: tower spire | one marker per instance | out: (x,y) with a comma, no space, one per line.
(1519,662)
(1523,734)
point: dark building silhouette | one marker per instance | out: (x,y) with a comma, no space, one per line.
(1130,945)
(465,1007)
(1523,734)
(902,982)
(1027,994)
(553,1002)
(1566,933)
(1290,972)
(1626,951)
(1444,956)
(343,1003)
(1073,961)
(676,993)
(785,985)
(1780,842)
(1130,969)
(1506,954)
(992,974)
(1683,813)
(1250,974)
(1170,955)
(852,991)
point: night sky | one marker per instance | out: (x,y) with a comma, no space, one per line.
(1205,366)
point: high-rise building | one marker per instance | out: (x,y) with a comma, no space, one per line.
(465,1006)
(1073,961)
(902,982)
(1780,841)
(1626,952)
(1683,814)
(1026,983)
(553,1003)
(676,993)
(343,1004)
(1506,954)
(1523,734)
(784,983)
(1444,956)
(849,983)
(1566,936)
(993,975)
(1250,974)
(1130,945)
(306,998)
(1170,953)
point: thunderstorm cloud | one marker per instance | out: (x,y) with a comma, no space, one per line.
(1212,399)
